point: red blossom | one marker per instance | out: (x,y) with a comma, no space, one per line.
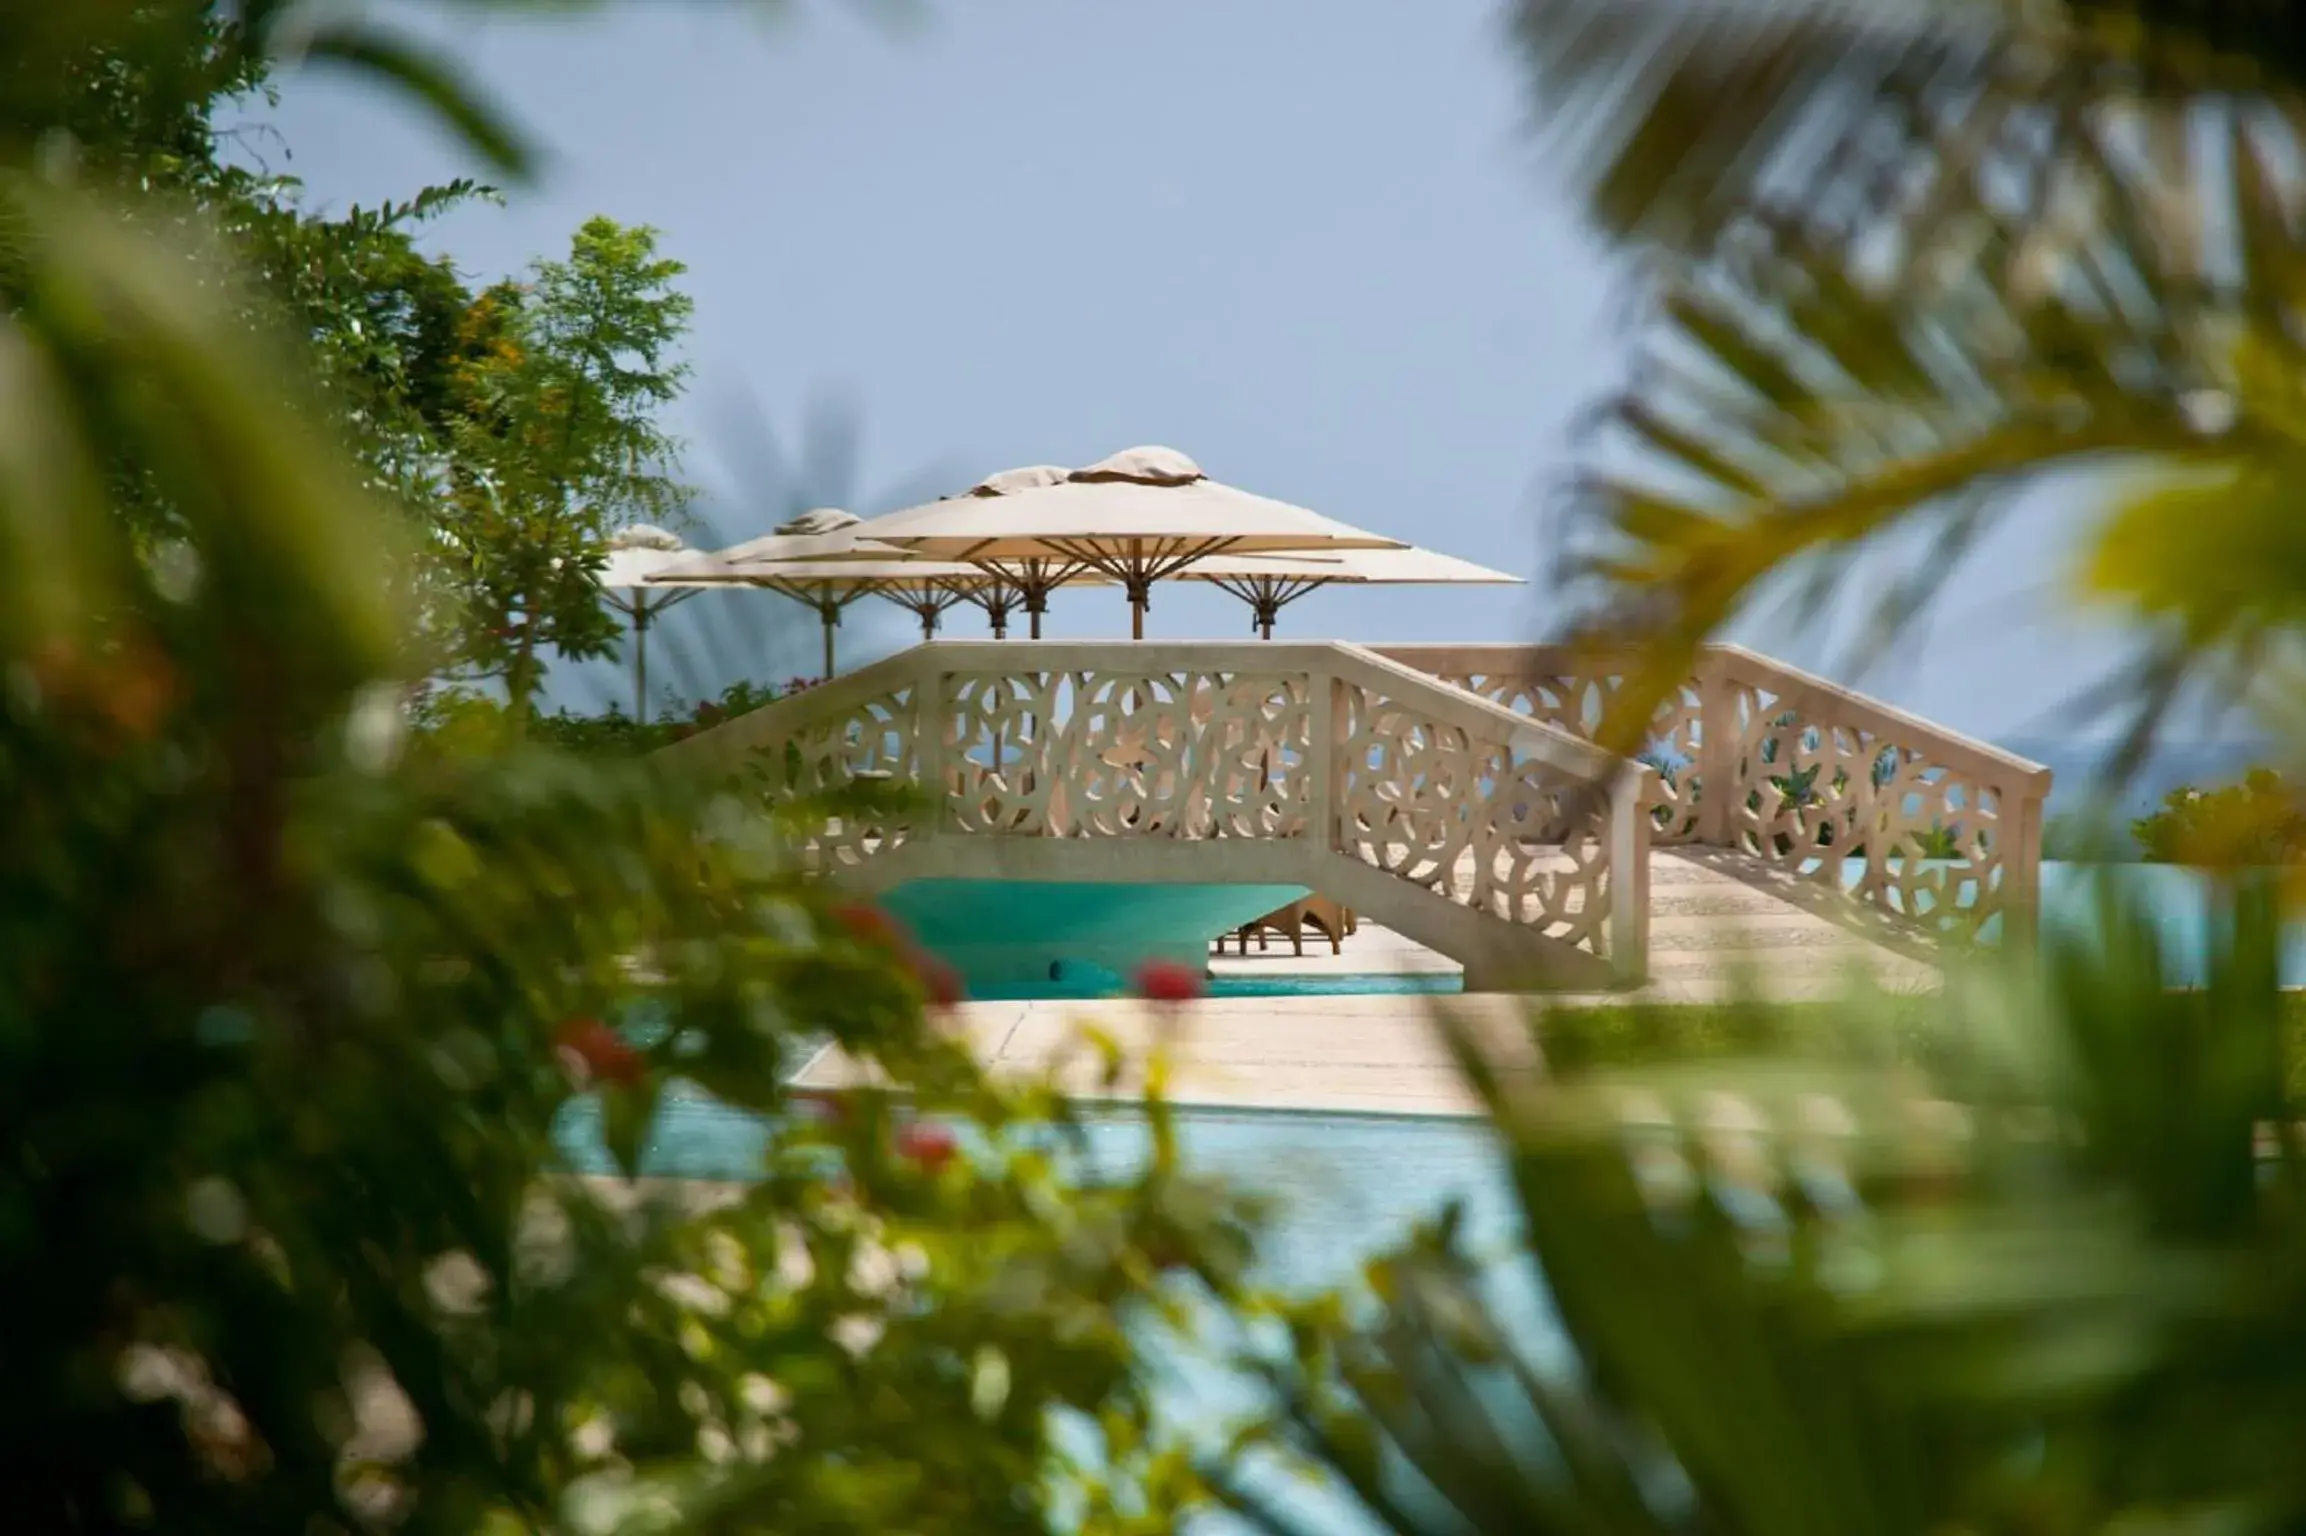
(938,979)
(868,924)
(604,1055)
(1168,981)
(930,1146)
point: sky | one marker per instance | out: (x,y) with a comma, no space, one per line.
(1313,245)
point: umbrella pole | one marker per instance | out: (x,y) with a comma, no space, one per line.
(831,617)
(1136,617)
(640,666)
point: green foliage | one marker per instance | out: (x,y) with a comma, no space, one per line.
(456,721)
(1800,392)
(2022,1259)
(2026,1258)
(2256,823)
(290,1012)
(555,443)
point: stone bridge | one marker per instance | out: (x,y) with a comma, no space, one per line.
(1451,793)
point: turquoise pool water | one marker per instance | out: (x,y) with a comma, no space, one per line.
(2176,902)
(1342,1186)
(1084,982)
(1341,1182)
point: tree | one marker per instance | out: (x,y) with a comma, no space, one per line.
(289,1019)
(1902,264)
(556,442)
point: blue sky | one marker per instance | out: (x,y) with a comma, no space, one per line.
(1310,244)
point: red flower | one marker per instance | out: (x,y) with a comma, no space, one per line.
(1168,981)
(939,979)
(931,1146)
(604,1056)
(868,924)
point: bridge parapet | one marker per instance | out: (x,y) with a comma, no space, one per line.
(1514,845)
(1933,832)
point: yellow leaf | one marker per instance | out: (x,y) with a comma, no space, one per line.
(2220,549)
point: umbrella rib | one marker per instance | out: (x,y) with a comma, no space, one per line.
(822,596)
(673,597)
(1160,567)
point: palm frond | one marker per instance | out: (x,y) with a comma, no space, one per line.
(2001,1274)
(1814,379)
(1677,115)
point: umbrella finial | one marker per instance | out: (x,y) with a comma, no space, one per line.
(1010,481)
(1143,466)
(644,536)
(820,520)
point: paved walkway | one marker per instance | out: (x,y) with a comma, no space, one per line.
(1715,924)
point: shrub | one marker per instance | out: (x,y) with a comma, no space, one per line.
(2257,822)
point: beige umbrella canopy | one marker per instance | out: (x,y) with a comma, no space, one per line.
(628,579)
(1270,583)
(818,560)
(1004,586)
(823,534)
(1139,517)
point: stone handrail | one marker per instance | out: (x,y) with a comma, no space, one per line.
(1931,829)
(1323,748)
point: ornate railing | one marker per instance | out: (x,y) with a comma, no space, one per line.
(1941,833)
(1324,750)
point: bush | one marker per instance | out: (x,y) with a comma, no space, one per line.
(295,999)
(463,721)
(2256,823)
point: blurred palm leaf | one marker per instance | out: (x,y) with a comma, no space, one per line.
(1675,117)
(2120,289)
(822,465)
(2053,1283)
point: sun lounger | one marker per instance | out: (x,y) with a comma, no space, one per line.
(1324,916)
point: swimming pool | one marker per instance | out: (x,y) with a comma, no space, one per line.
(1079,984)
(1342,1189)
(1340,1181)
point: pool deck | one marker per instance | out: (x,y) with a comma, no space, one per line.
(1718,929)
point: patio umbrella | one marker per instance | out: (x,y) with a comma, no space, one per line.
(818,560)
(1270,583)
(1136,518)
(1004,586)
(823,534)
(635,556)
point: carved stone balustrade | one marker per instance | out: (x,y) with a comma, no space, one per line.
(1511,844)
(1934,834)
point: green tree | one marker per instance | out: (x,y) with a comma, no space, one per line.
(1911,261)
(379,322)
(556,442)
(290,1019)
